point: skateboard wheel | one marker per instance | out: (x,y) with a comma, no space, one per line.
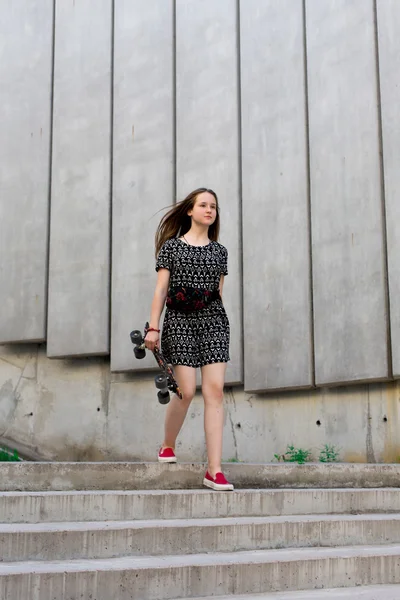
(161,382)
(163,397)
(139,352)
(136,337)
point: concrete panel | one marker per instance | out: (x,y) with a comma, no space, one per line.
(347,231)
(143,172)
(26,34)
(388,13)
(276,262)
(80,205)
(207,118)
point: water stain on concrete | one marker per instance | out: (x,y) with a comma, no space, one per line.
(8,400)
(369,441)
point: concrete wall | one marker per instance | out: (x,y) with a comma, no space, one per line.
(283,108)
(289,110)
(276,254)
(74,409)
(143,162)
(348,255)
(388,13)
(26,34)
(78,318)
(207,116)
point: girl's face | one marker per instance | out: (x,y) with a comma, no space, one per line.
(204,210)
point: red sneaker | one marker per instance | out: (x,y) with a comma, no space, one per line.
(166,456)
(219,483)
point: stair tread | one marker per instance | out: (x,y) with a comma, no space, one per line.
(200,560)
(57,526)
(373,592)
(195,492)
(40,476)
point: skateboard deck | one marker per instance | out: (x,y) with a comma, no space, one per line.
(165,382)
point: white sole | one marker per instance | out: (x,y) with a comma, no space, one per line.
(167,460)
(218,487)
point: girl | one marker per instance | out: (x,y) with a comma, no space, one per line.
(191,266)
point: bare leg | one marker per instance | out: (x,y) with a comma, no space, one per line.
(177,409)
(213,377)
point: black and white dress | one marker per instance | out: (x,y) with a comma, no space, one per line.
(201,337)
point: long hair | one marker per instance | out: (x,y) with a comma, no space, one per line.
(177,221)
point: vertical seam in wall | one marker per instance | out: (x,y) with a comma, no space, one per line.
(174,148)
(47,277)
(383,201)
(307,120)
(110,239)
(240,186)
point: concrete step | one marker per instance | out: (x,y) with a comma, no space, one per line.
(168,577)
(40,476)
(372,592)
(85,540)
(35,507)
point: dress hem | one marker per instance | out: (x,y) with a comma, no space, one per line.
(203,364)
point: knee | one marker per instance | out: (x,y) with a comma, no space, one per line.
(188,393)
(213,392)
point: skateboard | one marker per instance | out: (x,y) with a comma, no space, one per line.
(165,381)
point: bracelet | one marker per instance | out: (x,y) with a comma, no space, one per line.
(153,329)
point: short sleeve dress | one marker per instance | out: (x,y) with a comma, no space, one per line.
(201,337)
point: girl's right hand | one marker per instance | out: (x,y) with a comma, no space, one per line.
(151,340)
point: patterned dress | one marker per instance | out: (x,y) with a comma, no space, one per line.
(201,337)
